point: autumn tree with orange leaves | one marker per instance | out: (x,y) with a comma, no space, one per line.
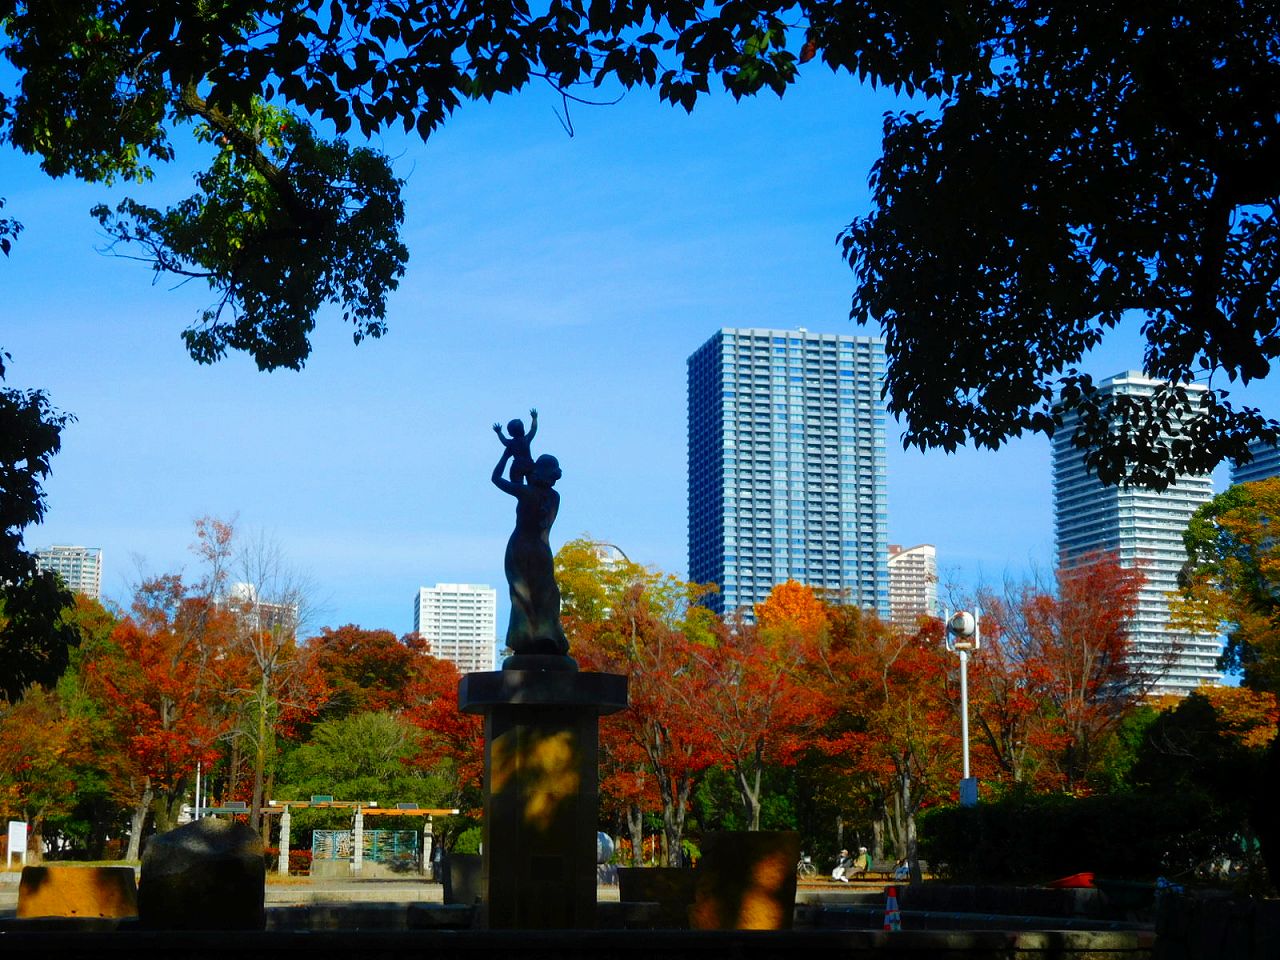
(165,681)
(667,719)
(892,727)
(43,750)
(1057,672)
(760,707)
(366,669)
(624,618)
(453,741)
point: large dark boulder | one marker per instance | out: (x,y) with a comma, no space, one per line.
(207,875)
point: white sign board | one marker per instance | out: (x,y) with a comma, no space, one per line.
(17,841)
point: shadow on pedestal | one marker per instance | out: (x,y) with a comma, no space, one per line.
(541,803)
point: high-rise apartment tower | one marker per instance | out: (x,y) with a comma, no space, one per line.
(1143,528)
(79,567)
(913,583)
(459,623)
(787,466)
(1265,463)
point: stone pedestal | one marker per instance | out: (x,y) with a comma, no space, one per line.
(541,797)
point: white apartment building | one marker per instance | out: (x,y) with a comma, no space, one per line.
(257,614)
(79,567)
(913,584)
(459,623)
(1143,528)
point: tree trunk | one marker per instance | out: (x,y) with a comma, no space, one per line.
(909,821)
(167,806)
(234,764)
(749,793)
(673,813)
(259,758)
(138,822)
(35,841)
(97,842)
(891,808)
(266,796)
(635,828)
(877,839)
(839,832)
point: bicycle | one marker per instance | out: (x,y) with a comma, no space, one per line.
(805,870)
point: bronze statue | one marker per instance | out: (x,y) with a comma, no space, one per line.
(534,627)
(518,446)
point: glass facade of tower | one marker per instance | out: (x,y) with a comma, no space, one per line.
(787,466)
(1143,528)
(1265,463)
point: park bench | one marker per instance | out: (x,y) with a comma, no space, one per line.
(883,869)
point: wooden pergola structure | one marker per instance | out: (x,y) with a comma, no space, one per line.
(362,809)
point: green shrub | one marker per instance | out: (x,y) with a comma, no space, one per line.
(1036,838)
(468,840)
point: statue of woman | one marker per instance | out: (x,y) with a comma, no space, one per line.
(534,627)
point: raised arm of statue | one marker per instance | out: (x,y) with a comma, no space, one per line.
(533,423)
(501,482)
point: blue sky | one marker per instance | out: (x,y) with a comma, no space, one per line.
(572,274)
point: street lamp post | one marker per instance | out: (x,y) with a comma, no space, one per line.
(962,635)
(196,805)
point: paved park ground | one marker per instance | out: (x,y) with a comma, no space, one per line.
(305,891)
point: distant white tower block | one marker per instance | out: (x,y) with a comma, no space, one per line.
(913,583)
(459,623)
(79,567)
(1143,528)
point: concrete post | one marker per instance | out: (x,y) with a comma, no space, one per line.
(428,849)
(357,842)
(282,865)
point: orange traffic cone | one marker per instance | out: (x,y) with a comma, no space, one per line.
(892,918)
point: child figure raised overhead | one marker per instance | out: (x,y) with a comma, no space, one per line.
(518,446)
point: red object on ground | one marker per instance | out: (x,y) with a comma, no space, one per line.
(1075,880)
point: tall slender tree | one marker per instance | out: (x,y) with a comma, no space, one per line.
(163,679)
(1069,649)
(759,707)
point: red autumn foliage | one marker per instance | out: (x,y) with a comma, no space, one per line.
(892,714)
(666,719)
(431,704)
(163,680)
(1056,673)
(759,707)
(366,669)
